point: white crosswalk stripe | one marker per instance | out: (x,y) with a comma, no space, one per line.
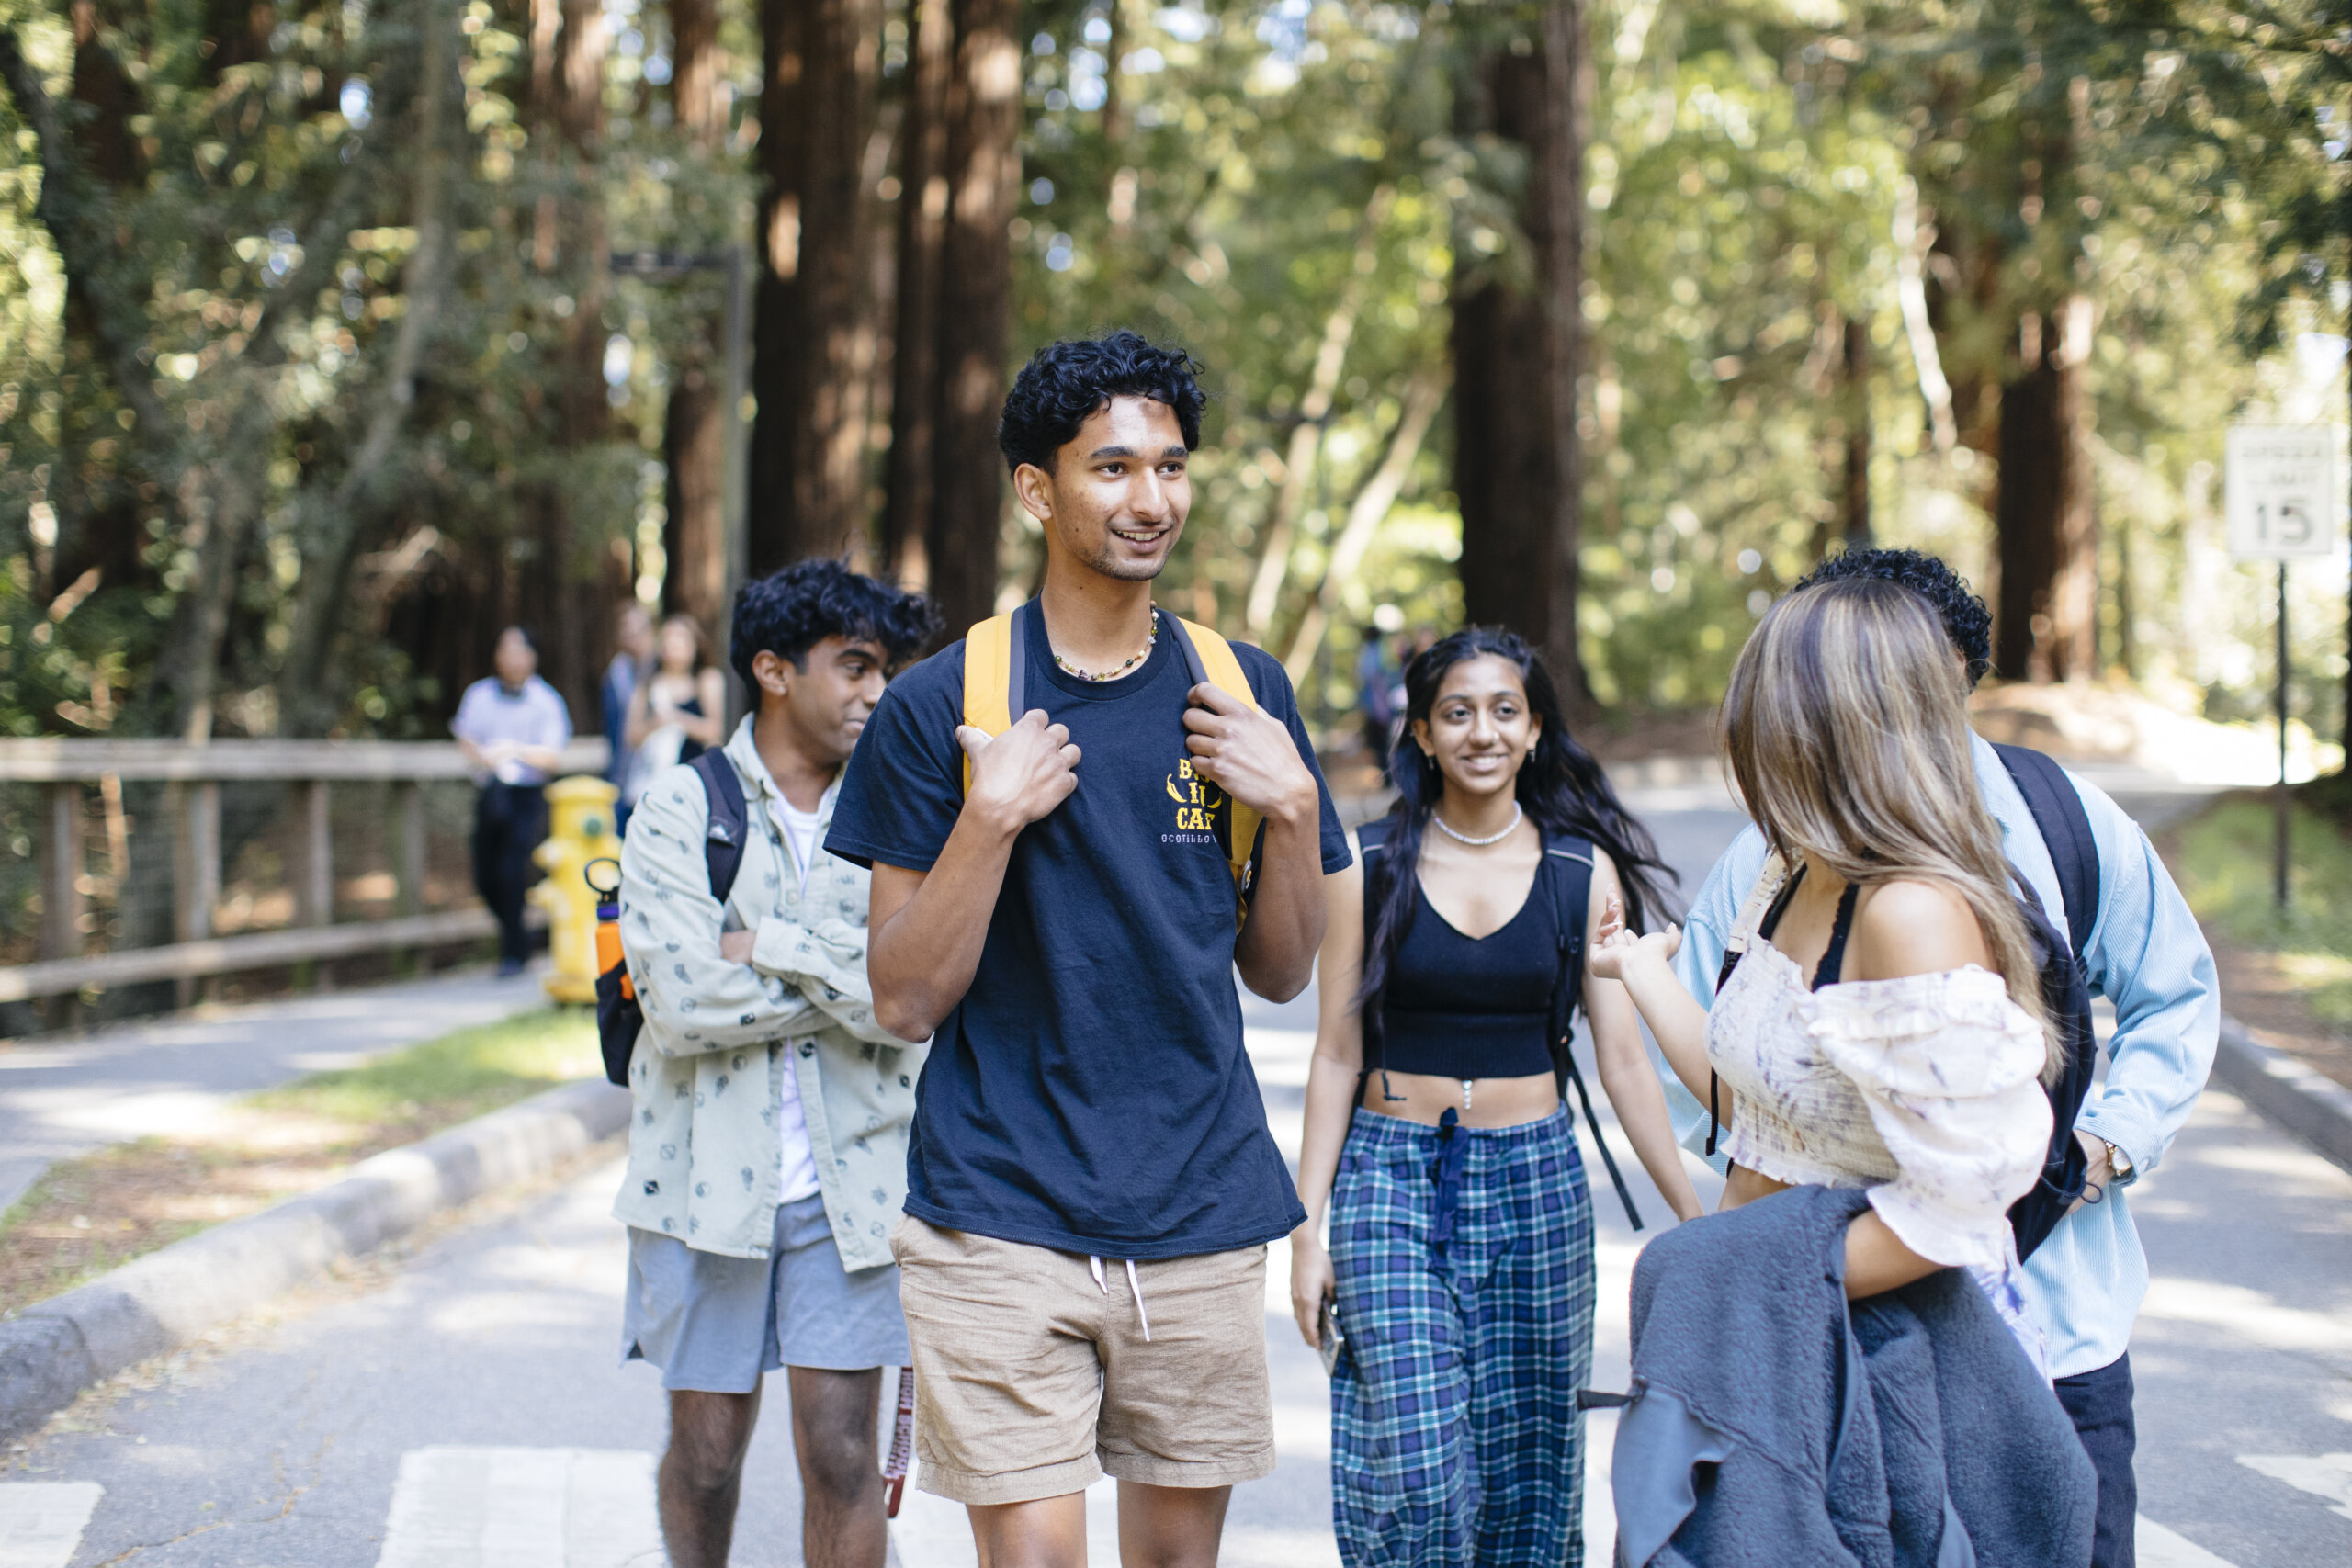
(2323,1475)
(504,1508)
(42,1521)
(2160,1548)
(515,1507)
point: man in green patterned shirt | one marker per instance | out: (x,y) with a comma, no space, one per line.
(768,1138)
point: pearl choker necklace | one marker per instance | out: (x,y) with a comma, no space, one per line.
(1517,816)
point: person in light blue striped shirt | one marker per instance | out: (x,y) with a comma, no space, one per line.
(2083,1286)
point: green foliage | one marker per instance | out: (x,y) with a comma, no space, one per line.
(1760,174)
(1222,211)
(267,245)
(2224,866)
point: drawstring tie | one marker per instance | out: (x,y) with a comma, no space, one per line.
(1134,1284)
(1453,1149)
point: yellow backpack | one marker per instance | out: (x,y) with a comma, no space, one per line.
(996,669)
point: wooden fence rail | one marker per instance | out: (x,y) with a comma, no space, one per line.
(192,775)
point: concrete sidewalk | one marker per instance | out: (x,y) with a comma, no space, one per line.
(65,1095)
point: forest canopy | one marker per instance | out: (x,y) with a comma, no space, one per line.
(335,336)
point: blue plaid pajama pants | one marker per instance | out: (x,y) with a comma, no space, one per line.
(1456,1437)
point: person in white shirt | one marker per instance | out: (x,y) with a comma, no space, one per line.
(513,728)
(768,1139)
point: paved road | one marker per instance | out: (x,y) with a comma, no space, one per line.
(465,1406)
(66,1096)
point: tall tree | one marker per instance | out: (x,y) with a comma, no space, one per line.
(335,524)
(976,303)
(1518,462)
(815,331)
(693,432)
(1855,383)
(97,520)
(922,228)
(2045,623)
(565,589)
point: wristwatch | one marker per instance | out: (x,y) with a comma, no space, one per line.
(2116,1160)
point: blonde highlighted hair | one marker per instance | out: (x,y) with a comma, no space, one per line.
(1846,727)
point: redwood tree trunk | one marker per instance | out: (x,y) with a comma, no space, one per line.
(564,591)
(693,445)
(814,333)
(97,513)
(976,300)
(2045,624)
(922,225)
(693,539)
(1519,464)
(1857,418)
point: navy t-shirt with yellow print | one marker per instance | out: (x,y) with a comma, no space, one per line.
(1091,1093)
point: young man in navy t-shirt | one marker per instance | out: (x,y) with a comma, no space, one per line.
(1090,1182)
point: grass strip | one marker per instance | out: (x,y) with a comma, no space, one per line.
(2224,863)
(87,1216)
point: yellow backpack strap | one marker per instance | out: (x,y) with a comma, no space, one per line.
(991,679)
(1212,659)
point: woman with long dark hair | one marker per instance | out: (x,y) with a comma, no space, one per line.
(679,711)
(1455,1303)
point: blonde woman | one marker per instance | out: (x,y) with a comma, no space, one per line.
(1885,1029)
(678,712)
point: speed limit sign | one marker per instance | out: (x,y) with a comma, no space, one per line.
(2280,490)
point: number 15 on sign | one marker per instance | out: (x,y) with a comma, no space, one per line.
(2280,492)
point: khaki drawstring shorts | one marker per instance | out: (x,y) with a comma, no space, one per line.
(1037,1372)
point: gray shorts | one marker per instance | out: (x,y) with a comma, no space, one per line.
(715,1323)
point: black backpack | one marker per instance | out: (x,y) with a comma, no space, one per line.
(2064,978)
(1566,868)
(2065,984)
(619,1016)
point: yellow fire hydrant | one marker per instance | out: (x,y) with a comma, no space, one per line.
(580,830)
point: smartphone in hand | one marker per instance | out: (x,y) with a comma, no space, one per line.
(1329,1339)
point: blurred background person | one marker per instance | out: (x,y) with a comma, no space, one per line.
(679,711)
(513,728)
(1377,684)
(632,660)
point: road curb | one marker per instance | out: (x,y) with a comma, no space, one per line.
(54,1349)
(2307,1104)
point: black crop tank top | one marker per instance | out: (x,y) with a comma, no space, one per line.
(1462,1008)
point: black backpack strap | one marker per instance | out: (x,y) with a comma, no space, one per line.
(1568,864)
(730,820)
(2066,831)
(1193,667)
(1372,846)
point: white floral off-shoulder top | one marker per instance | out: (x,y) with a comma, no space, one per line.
(1925,1090)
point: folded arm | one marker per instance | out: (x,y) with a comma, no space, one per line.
(695,999)
(826,964)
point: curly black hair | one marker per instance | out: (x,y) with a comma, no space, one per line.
(792,611)
(1966,620)
(1065,383)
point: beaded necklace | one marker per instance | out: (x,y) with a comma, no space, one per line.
(1149,644)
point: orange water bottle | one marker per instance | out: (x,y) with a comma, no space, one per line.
(608,922)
